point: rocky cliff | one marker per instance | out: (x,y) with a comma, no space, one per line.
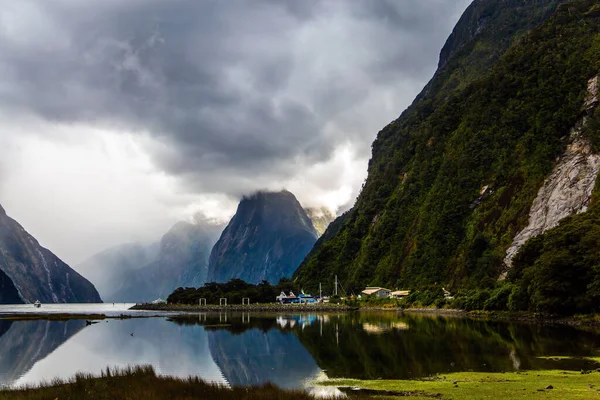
(568,190)
(266,239)
(452,181)
(30,272)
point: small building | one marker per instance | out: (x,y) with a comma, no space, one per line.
(302,298)
(377,292)
(400,293)
(159,301)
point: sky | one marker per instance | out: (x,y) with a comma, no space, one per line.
(120,118)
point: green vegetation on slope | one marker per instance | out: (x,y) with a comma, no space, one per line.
(424,216)
(559,271)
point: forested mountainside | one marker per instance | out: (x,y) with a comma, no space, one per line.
(452,181)
(30,272)
(267,238)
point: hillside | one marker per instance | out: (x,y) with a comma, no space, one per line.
(30,272)
(452,181)
(267,238)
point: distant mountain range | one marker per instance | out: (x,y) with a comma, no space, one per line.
(267,238)
(137,272)
(30,272)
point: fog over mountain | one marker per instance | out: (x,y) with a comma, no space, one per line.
(120,118)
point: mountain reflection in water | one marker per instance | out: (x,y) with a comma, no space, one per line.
(289,350)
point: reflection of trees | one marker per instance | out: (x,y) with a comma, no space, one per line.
(391,345)
(23,343)
(436,345)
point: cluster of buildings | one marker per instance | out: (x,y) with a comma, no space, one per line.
(378,292)
(291,298)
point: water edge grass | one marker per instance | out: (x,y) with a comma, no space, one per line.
(551,384)
(142,382)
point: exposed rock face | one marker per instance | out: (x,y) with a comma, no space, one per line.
(135,273)
(266,239)
(33,273)
(568,189)
(321,218)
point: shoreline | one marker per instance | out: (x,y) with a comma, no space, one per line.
(166,310)
(66,316)
(186,308)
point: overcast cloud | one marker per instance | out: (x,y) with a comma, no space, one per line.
(119,117)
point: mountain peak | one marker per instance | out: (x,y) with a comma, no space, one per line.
(266,239)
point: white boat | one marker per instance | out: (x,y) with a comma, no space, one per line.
(37,304)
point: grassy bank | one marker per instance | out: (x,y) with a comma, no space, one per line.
(143,383)
(559,385)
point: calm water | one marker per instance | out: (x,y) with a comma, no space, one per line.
(291,351)
(99,308)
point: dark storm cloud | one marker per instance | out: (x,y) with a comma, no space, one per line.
(233,90)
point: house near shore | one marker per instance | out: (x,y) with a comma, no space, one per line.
(282,296)
(378,292)
(398,294)
(302,298)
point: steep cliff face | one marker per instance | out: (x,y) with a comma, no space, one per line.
(135,273)
(34,273)
(452,181)
(568,190)
(494,24)
(266,239)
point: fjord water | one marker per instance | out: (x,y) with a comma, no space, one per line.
(289,350)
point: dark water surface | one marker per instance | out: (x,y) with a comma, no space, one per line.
(289,350)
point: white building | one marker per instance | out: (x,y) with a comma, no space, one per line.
(400,293)
(377,292)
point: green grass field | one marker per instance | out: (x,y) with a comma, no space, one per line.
(493,386)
